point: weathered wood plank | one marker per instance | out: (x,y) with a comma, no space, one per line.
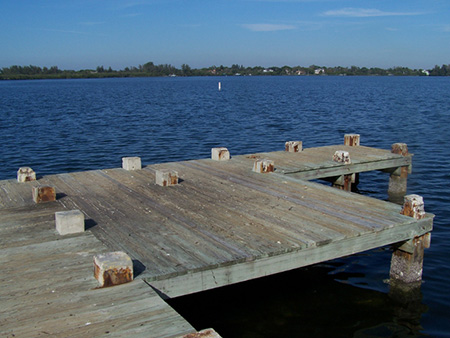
(48,287)
(204,280)
(222,224)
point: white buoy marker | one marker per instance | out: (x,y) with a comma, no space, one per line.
(220,86)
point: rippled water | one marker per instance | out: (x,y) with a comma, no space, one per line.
(70,125)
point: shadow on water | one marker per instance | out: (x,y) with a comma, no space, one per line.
(307,302)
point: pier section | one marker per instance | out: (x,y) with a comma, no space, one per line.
(223,222)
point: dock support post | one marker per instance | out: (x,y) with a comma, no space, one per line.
(353,140)
(398,178)
(407,258)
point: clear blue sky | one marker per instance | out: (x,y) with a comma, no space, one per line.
(80,34)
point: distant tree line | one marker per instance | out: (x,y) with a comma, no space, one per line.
(150,69)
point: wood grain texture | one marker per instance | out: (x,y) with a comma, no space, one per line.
(48,288)
(224,223)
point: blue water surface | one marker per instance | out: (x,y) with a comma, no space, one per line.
(59,126)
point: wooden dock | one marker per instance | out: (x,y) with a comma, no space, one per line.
(222,224)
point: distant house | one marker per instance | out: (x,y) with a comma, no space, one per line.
(319,71)
(268,70)
(300,72)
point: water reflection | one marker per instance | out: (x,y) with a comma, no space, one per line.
(307,302)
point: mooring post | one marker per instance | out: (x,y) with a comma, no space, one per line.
(220,154)
(353,140)
(398,178)
(407,258)
(43,194)
(113,268)
(25,174)
(264,166)
(166,177)
(131,163)
(293,146)
(69,222)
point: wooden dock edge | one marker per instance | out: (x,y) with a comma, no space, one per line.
(212,278)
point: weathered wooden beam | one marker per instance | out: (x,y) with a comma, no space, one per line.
(355,167)
(209,278)
(407,258)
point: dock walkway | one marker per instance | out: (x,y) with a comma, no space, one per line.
(222,224)
(48,289)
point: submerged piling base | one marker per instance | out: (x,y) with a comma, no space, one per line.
(407,258)
(406,266)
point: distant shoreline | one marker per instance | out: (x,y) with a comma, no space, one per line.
(166,70)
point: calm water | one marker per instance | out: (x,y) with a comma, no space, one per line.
(72,125)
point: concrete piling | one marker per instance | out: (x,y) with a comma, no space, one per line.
(43,194)
(264,166)
(407,258)
(220,154)
(69,222)
(343,182)
(293,146)
(166,177)
(25,174)
(131,163)
(342,156)
(352,140)
(113,268)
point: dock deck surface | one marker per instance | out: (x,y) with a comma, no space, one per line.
(222,224)
(48,289)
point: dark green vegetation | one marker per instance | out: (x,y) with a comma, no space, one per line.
(150,69)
